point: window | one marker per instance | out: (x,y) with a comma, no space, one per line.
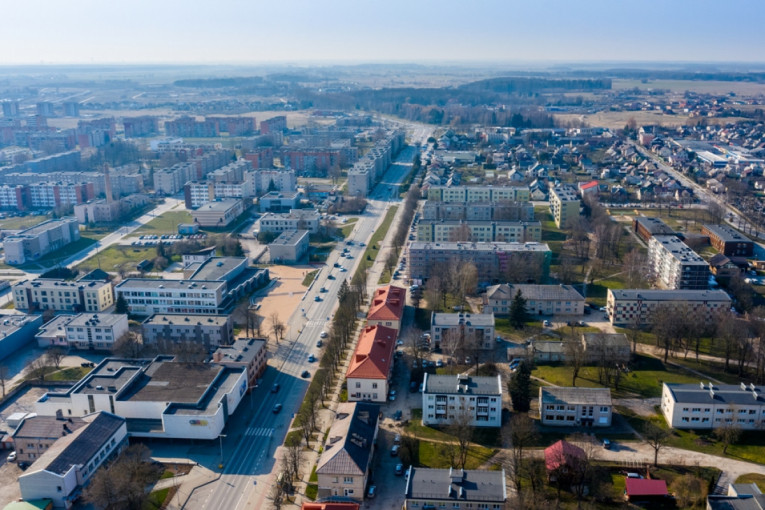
(348,479)
(358,385)
(374,385)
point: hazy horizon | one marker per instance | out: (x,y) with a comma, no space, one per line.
(345,32)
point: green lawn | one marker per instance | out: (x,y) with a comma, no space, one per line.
(348,227)
(750,446)
(753,478)
(22,222)
(644,379)
(167,223)
(431,456)
(116,257)
(69,374)
(309,278)
(157,499)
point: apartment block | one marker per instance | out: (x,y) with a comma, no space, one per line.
(208,330)
(492,260)
(447,398)
(36,242)
(96,331)
(463,330)
(453,488)
(478,211)
(647,226)
(290,247)
(189,127)
(479,231)
(472,194)
(250,354)
(713,406)
(675,265)
(564,205)
(728,241)
(628,307)
(540,299)
(296,219)
(219,213)
(261,181)
(62,296)
(371,365)
(575,407)
(144,125)
(276,124)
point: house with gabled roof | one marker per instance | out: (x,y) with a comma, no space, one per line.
(371,365)
(387,307)
(344,465)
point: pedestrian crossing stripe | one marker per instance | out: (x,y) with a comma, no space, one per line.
(259,431)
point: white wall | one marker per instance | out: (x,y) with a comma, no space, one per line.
(366,391)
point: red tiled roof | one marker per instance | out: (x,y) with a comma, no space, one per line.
(588,185)
(373,356)
(560,454)
(643,487)
(330,506)
(387,303)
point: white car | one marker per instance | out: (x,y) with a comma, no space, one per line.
(323,334)
(12,457)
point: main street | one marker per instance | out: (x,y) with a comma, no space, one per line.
(250,449)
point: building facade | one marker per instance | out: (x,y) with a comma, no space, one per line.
(454,489)
(63,296)
(219,213)
(540,299)
(564,206)
(728,240)
(290,247)
(675,265)
(208,330)
(713,406)
(472,194)
(96,331)
(447,399)
(36,242)
(387,307)
(575,407)
(462,330)
(479,231)
(296,219)
(628,307)
(371,365)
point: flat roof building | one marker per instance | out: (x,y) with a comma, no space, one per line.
(219,213)
(451,487)
(63,295)
(711,406)
(35,242)
(290,247)
(479,231)
(447,398)
(647,226)
(96,331)
(728,241)
(564,205)
(248,353)
(575,407)
(675,265)
(540,299)
(457,331)
(627,307)
(16,331)
(208,330)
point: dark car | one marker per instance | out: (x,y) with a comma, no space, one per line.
(306,374)
(399,469)
(330,277)
(277,408)
(413,386)
(397,415)
(275,388)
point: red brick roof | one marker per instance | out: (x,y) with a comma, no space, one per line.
(387,304)
(373,356)
(330,506)
(561,454)
(588,185)
(643,487)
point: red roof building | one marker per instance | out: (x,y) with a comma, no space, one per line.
(387,307)
(371,365)
(330,506)
(586,188)
(561,455)
(641,489)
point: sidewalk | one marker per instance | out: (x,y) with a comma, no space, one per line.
(185,485)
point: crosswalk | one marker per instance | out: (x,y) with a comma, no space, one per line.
(259,431)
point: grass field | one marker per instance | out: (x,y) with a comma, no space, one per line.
(431,456)
(56,257)
(348,227)
(711,86)
(23,222)
(118,257)
(309,278)
(167,223)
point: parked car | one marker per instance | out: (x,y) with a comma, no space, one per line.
(12,457)
(546,323)
(607,444)
(372,492)
(514,365)
(311,358)
(275,388)
(397,439)
(277,408)
(306,374)
(323,334)
(439,363)
(399,469)
(317,298)
(413,386)
(394,450)
(397,415)
(392,395)
(319,343)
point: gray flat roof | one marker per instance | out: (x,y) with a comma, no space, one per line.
(219,205)
(727,234)
(290,237)
(679,250)
(43,227)
(565,194)
(670,295)
(243,350)
(173,382)
(468,319)
(721,394)
(172,319)
(575,396)
(456,485)
(463,384)
(534,292)
(654,225)
(141,283)
(55,326)
(47,426)
(217,268)
(96,319)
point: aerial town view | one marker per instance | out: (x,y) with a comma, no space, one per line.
(382,255)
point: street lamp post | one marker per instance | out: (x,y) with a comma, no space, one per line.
(220,439)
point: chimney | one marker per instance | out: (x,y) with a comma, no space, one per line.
(108,185)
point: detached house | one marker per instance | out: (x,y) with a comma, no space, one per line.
(371,364)
(387,307)
(344,465)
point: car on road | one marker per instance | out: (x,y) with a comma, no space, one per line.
(397,439)
(323,334)
(546,323)
(394,450)
(372,492)
(362,244)
(12,457)
(311,358)
(323,289)
(319,343)
(399,469)
(330,277)
(317,298)
(399,343)
(306,374)
(607,444)
(439,363)
(514,365)
(392,395)
(337,264)
(275,388)
(397,415)
(277,408)
(581,324)
(343,270)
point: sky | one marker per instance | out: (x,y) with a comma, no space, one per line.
(358,31)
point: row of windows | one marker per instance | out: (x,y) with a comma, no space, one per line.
(721,411)
(442,505)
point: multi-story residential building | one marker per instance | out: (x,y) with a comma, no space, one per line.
(296,219)
(277,201)
(471,194)
(16,331)
(144,125)
(626,307)
(262,181)
(290,247)
(359,181)
(647,226)
(387,308)
(198,193)
(235,126)
(106,211)
(61,473)
(276,124)
(540,299)
(476,400)
(575,407)
(35,434)
(675,265)
(159,398)
(169,181)
(208,330)
(261,157)
(189,127)
(149,296)
(63,296)
(463,330)
(713,406)
(248,353)
(614,347)
(219,213)
(36,242)
(53,195)
(454,489)
(564,205)
(492,260)
(371,365)
(479,231)
(345,464)
(728,241)
(96,331)
(478,211)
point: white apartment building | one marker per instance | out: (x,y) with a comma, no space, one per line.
(371,365)
(208,330)
(469,329)
(675,265)
(260,181)
(540,299)
(96,331)
(575,407)
(627,307)
(479,231)
(149,296)
(63,296)
(448,397)
(564,205)
(35,242)
(478,193)
(710,406)
(296,219)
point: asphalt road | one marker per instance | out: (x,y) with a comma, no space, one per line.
(252,452)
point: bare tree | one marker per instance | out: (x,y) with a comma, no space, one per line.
(523,434)
(461,428)
(657,438)
(573,350)
(38,368)
(129,345)
(452,340)
(413,341)
(294,455)
(54,356)
(277,327)
(3,377)
(123,483)
(636,270)
(728,431)
(728,331)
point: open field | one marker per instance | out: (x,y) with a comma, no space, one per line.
(167,223)
(116,258)
(617,120)
(709,87)
(19,223)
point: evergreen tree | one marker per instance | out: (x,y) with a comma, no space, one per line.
(519,388)
(343,292)
(518,315)
(121,305)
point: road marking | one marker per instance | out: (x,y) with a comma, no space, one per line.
(259,431)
